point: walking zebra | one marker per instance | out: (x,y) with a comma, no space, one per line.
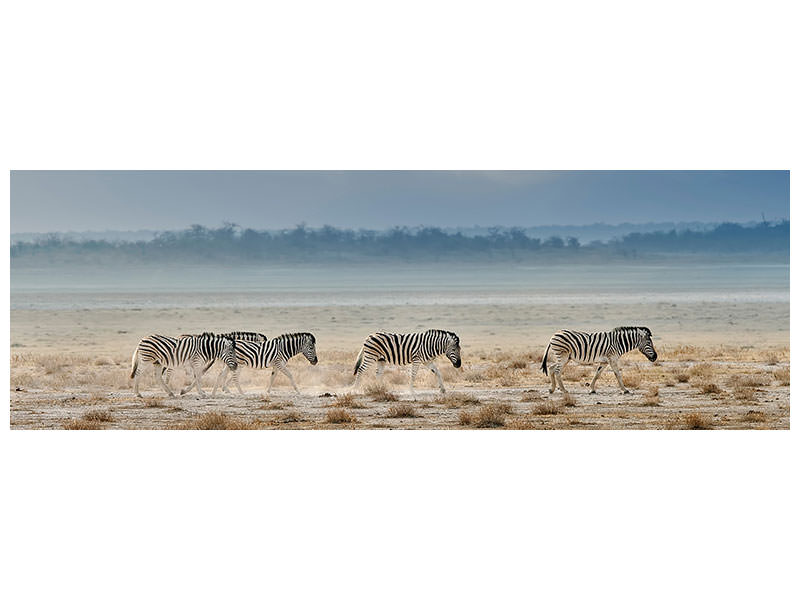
(603,347)
(408,348)
(167,353)
(273,353)
(246,336)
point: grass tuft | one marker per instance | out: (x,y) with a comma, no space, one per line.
(401,411)
(547,408)
(379,393)
(216,421)
(782,375)
(697,421)
(339,415)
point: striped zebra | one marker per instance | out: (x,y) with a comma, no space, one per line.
(601,347)
(273,353)
(245,336)
(408,348)
(166,353)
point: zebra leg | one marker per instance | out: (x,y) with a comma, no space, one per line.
(197,375)
(220,382)
(235,378)
(272,379)
(615,368)
(136,381)
(414,367)
(435,369)
(557,373)
(163,383)
(288,373)
(366,363)
(379,372)
(552,379)
(594,379)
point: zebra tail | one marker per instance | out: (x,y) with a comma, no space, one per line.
(134,362)
(359,361)
(544,359)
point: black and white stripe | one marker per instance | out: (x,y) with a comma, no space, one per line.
(167,353)
(588,348)
(408,348)
(273,353)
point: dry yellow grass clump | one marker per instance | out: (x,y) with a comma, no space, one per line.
(339,415)
(94,419)
(456,399)
(217,421)
(548,407)
(782,375)
(489,416)
(697,421)
(379,393)
(347,401)
(401,411)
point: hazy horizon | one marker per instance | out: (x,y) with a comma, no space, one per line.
(85,201)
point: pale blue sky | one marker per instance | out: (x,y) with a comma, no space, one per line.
(44,201)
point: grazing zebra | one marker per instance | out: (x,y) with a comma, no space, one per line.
(603,347)
(408,348)
(273,353)
(166,353)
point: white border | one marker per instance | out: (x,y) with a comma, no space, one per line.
(415,85)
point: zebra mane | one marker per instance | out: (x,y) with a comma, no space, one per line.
(628,328)
(284,336)
(247,336)
(444,331)
(205,334)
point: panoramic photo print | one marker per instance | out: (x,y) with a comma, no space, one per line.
(399,300)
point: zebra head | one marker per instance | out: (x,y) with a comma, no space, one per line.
(645,344)
(453,349)
(229,352)
(308,346)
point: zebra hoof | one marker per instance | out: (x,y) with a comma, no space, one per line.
(592,392)
(626,392)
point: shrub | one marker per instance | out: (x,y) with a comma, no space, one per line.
(339,415)
(697,421)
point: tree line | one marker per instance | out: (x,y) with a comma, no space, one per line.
(303,244)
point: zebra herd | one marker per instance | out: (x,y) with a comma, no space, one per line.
(237,349)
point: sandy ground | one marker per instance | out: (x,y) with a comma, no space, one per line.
(704,386)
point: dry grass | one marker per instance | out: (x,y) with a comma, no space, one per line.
(755,416)
(379,393)
(153,402)
(83,423)
(291,416)
(651,397)
(347,401)
(401,411)
(697,421)
(530,396)
(682,375)
(782,375)
(102,416)
(457,399)
(486,417)
(217,421)
(339,415)
(547,408)
(632,379)
(709,388)
(518,364)
(744,394)
(701,370)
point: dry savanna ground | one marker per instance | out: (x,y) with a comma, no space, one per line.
(689,387)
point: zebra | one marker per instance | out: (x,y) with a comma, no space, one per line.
(246,336)
(166,353)
(408,348)
(273,353)
(589,348)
